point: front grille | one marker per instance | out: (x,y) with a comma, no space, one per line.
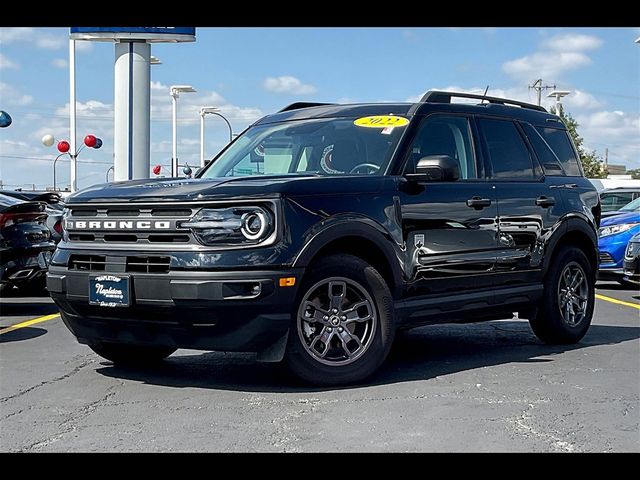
(92,263)
(130,264)
(148,264)
(126,225)
(606,258)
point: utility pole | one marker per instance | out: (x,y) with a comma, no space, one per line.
(538,87)
(606,156)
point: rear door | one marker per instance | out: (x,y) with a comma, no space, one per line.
(528,210)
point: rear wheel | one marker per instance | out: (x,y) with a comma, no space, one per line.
(131,354)
(343,327)
(569,296)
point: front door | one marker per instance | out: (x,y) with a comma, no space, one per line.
(449,228)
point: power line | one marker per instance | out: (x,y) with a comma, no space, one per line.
(538,87)
(86,162)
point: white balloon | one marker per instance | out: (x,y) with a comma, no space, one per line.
(47,140)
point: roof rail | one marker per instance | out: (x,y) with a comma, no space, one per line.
(298,105)
(437,96)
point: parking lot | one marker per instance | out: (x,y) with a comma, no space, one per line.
(482,387)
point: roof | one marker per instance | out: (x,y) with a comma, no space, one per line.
(432,101)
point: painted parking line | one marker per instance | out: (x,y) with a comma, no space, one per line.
(28,323)
(619,302)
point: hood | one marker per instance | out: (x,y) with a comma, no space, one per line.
(195,189)
(631,217)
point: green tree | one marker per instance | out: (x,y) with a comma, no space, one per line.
(635,173)
(591,162)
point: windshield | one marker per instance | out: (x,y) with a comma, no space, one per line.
(327,146)
(632,206)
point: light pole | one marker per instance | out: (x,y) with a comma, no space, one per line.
(558,94)
(211,111)
(175,91)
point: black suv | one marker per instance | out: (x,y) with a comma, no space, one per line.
(323,228)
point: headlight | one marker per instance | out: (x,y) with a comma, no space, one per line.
(613,229)
(240,225)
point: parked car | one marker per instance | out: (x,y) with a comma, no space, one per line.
(632,260)
(613,199)
(54,209)
(322,229)
(633,206)
(25,243)
(614,235)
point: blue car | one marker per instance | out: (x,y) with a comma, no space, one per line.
(614,234)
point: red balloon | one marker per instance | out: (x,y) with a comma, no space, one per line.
(156,170)
(90,141)
(63,146)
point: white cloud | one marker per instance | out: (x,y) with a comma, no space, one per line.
(579,99)
(83,46)
(616,130)
(571,42)
(545,64)
(60,63)
(288,84)
(15,34)
(50,42)
(7,63)
(558,54)
(11,96)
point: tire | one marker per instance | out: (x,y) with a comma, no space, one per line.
(554,324)
(358,338)
(131,354)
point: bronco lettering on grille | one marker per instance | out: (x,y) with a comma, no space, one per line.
(117,225)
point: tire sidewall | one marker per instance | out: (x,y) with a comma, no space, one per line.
(303,364)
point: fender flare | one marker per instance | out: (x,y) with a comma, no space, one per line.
(365,228)
(572,224)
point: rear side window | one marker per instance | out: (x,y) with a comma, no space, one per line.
(612,201)
(550,163)
(560,143)
(510,157)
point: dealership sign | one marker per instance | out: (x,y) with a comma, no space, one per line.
(149,34)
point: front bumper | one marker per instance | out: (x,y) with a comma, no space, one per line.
(204,310)
(632,269)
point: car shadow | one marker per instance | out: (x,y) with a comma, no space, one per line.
(29,309)
(419,354)
(617,286)
(25,333)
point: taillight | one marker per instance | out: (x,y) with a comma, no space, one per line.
(8,219)
(58,227)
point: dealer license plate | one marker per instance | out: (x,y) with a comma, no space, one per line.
(109,291)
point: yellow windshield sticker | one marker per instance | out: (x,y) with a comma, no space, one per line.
(381,121)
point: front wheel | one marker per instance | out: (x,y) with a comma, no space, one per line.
(343,327)
(569,297)
(131,354)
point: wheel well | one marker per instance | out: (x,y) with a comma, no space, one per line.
(583,242)
(363,248)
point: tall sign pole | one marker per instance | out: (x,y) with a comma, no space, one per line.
(132,90)
(72,116)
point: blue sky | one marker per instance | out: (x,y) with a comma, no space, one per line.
(249,72)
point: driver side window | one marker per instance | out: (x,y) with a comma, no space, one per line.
(445,135)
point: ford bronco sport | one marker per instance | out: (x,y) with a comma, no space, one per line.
(322,229)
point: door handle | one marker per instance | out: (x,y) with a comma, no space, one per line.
(545,202)
(478,203)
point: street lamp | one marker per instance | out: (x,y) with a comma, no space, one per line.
(153,60)
(175,91)
(558,94)
(211,111)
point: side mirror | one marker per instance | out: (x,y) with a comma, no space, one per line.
(435,168)
(200,169)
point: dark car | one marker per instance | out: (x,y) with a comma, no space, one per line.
(632,260)
(54,208)
(25,243)
(613,199)
(322,229)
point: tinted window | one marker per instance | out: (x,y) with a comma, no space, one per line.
(440,135)
(510,157)
(560,143)
(550,163)
(612,201)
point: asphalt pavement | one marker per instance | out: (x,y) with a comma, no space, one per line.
(482,387)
